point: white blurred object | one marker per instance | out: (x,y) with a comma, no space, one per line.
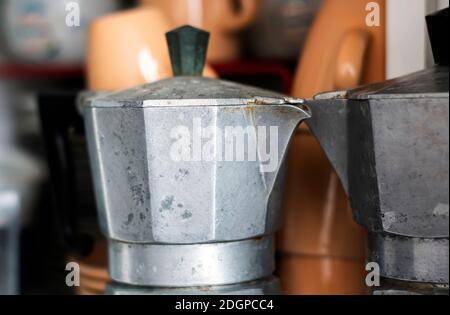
(47,31)
(407,44)
(9,242)
(6,126)
(22,173)
(20,176)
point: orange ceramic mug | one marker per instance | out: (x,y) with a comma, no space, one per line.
(223,18)
(319,237)
(127,49)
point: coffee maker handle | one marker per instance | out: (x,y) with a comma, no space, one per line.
(187,48)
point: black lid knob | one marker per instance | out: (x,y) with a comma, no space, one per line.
(438,31)
(187,48)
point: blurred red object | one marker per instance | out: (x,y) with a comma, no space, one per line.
(39,71)
(272,75)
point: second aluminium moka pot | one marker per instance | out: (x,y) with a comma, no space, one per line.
(188,174)
(389,145)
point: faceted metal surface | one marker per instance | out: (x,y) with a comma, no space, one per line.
(389,145)
(144,195)
(187,47)
(193,264)
(268,286)
(190,221)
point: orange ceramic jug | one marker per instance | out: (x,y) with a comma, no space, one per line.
(127,49)
(222,18)
(322,248)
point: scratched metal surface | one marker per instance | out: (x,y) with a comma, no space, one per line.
(270,286)
(143,195)
(146,197)
(413,259)
(391,151)
(191,91)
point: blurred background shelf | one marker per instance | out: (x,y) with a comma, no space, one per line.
(50,71)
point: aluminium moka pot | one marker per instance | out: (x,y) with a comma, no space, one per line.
(389,144)
(188,175)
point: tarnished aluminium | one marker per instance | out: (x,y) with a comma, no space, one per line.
(389,144)
(178,208)
(192,264)
(145,195)
(269,286)
(421,259)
